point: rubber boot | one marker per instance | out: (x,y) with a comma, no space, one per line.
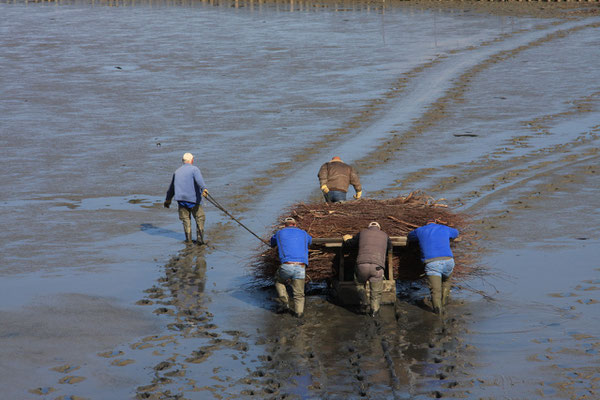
(282,298)
(298,293)
(188,236)
(362,290)
(376,293)
(446,285)
(199,236)
(435,286)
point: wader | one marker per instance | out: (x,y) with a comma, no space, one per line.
(297,286)
(372,273)
(440,291)
(198,213)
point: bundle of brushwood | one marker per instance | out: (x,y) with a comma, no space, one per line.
(397,217)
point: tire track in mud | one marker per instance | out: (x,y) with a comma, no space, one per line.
(379,119)
(434,364)
(497,168)
(504,179)
(193,321)
(425,94)
(438,110)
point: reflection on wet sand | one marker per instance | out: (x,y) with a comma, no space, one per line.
(406,352)
(334,353)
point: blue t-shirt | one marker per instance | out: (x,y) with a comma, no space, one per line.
(292,244)
(434,240)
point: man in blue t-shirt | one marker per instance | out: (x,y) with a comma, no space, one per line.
(188,188)
(292,246)
(434,240)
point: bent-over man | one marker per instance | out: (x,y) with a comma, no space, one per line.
(373,245)
(188,187)
(335,177)
(434,240)
(292,246)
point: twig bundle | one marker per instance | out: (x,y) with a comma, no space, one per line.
(397,217)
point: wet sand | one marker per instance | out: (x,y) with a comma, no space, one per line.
(489,105)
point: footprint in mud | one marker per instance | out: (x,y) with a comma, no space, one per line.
(143,390)
(563,295)
(177,372)
(110,354)
(198,356)
(237,333)
(71,380)
(42,391)
(154,289)
(144,302)
(156,338)
(164,310)
(163,365)
(587,288)
(587,301)
(122,363)
(141,345)
(180,327)
(65,369)
(534,358)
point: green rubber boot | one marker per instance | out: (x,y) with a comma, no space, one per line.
(435,286)
(298,293)
(376,293)
(188,236)
(446,286)
(282,298)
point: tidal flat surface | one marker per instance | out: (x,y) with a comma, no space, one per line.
(101,299)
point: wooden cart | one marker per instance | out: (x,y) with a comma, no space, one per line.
(345,290)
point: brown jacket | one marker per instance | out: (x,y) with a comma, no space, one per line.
(373,245)
(338,176)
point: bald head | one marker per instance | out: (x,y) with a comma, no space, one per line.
(188,158)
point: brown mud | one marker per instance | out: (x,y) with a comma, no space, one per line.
(192,327)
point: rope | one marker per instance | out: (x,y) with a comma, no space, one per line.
(220,207)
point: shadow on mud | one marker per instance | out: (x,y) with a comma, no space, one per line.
(150,229)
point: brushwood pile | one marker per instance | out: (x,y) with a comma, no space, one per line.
(397,217)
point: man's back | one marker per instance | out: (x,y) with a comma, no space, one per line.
(338,175)
(188,183)
(434,240)
(372,247)
(292,244)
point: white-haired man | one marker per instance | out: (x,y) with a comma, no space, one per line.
(188,187)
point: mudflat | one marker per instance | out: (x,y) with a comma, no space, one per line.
(493,106)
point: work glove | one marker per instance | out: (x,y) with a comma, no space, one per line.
(167,203)
(205,193)
(358,194)
(347,237)
(325,189)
